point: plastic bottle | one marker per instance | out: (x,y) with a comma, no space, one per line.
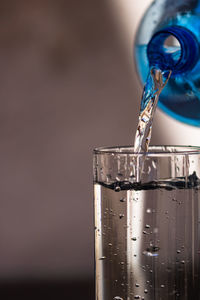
(169,38)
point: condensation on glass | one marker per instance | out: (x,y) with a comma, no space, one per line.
(147,232)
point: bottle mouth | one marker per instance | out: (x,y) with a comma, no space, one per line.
(173,48)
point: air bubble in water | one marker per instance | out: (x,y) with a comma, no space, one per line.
(148,253)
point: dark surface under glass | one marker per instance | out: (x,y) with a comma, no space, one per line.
(75,289)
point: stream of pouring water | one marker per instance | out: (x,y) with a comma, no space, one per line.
(155,83)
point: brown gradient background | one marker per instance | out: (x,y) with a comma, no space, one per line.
(68,84)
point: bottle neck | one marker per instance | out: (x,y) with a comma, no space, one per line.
(173,48)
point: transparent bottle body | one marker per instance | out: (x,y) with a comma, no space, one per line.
(147,234)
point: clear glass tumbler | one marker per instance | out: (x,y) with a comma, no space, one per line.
(147,223)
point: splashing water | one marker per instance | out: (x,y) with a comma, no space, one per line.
(156,81)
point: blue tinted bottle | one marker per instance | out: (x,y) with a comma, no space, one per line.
(169,39)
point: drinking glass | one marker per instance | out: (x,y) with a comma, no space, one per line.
(147,223)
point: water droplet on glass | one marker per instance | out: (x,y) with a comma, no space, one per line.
(122,200)
(117,189)
(147,226)
(145,291)
(117,298)
(119,177)
(153,164)
(148,210)
(178,251)
(162,286)
(137,285)
(134,239)
(122,263)
(132,179)
(136,297)
(102,258)
(183,262)
(145,232)
(155,249)
(109,244)
(108,177)
(121,216)
(149,169)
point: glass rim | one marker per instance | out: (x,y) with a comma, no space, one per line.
(165,150)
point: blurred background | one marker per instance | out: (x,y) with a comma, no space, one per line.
(68,84)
